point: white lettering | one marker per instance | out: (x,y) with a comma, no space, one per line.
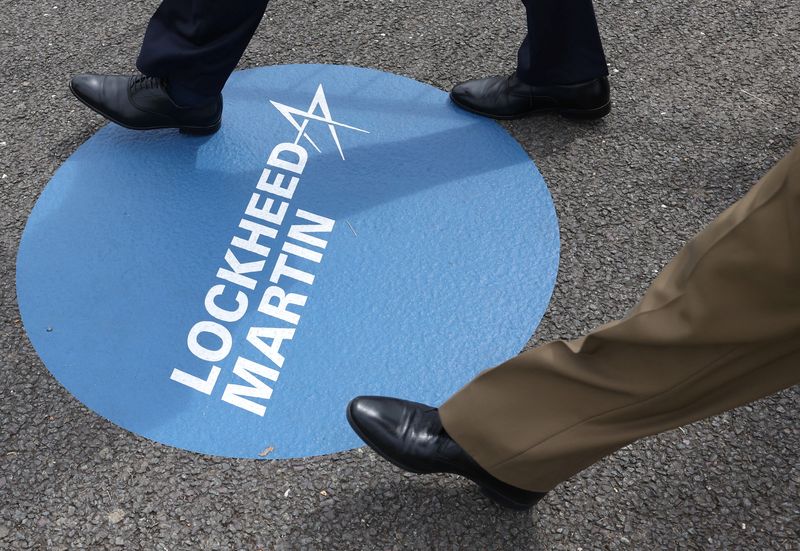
(292,166)
(302,252)
(201,385)
(321,224)
(275,188)
(281,269)
(207,354)
(265,213)
(281,311)
(234,275)
(237,394)
(256,231)
(220,313)
(256,337)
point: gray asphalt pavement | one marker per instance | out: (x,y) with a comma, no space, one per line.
(706,98)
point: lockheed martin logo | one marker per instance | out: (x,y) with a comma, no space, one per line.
(320,102)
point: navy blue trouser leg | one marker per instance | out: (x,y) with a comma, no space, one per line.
(195,44)
(563,44)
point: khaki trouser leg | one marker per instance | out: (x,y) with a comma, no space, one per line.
(718,328)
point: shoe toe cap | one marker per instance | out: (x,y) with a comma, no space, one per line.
(461,90)
(367,414)
(86,87)
(477,94)
(380,420)
(466,93)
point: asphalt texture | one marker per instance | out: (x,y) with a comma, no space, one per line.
(706,97)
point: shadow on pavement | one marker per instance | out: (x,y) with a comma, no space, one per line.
(417,512)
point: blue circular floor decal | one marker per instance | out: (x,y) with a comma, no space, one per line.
(346,232)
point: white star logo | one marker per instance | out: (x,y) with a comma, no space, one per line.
(319,102)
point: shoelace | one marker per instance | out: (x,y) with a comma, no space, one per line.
(146,83)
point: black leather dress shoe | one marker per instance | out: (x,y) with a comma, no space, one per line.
(142,103)
(411,436)
(510,98)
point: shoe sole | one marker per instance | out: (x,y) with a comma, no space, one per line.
(498,498)
(581,114)
(189,130)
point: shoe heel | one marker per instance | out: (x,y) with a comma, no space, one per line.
(200,131)
(586,114)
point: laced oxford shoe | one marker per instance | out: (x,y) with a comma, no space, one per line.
(510,98)
(142,103)
(410,436)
